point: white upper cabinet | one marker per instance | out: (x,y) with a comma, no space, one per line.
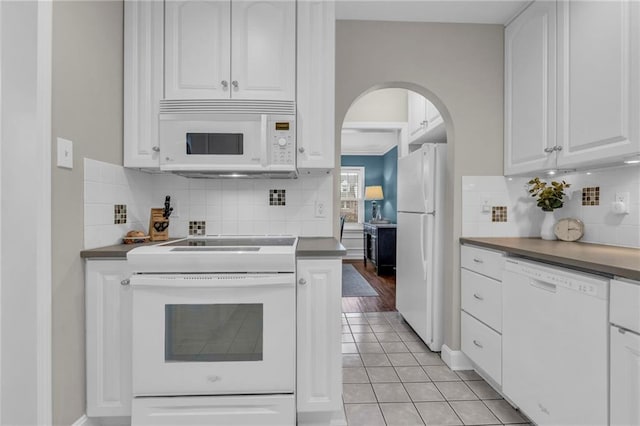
(143,80)
(230,49)
(595,85)
(416,115)
(316,86)
(424,122)
(598,81)
(263,49)
(198,49)
(530,90)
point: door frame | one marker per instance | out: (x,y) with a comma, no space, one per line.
(43,222)
(43,243)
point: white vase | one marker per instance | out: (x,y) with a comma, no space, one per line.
(546,230)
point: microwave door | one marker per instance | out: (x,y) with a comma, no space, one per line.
(214,143)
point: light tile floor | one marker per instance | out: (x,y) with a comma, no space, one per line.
(391,378)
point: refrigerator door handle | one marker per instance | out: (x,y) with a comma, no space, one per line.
(423,182)
(423,256)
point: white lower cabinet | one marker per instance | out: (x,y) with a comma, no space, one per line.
(481,303)
(624,355)
(108,334)
(624,378)
(319,366)
(483,346)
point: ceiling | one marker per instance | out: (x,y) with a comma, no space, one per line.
(459,11)
(368,141)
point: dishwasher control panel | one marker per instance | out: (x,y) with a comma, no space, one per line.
(551,276)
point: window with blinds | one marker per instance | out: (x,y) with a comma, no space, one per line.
(352,194)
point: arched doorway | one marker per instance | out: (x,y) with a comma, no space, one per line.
(383,128)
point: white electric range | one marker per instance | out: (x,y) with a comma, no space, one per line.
(214,331)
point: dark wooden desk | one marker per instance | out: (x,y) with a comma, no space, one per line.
(380,246)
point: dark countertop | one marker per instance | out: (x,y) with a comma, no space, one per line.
(381,225)
(610,260)
(319,247)
(117,251)
(307,247)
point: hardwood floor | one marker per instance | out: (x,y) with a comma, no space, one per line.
(385,285)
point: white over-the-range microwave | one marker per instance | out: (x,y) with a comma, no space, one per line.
(252,141)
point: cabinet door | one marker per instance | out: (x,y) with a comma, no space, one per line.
(530,90)
(598,81)
(625,378)
(197,49)
(143,81)
(416,115)
(108,334)
(319,364)
(315,86)
(263,49)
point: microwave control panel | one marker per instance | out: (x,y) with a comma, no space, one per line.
(282,141)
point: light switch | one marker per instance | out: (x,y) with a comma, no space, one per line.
(65,153)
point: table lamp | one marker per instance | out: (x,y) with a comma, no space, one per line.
(373,194)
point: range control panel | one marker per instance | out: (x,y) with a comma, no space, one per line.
(282,141)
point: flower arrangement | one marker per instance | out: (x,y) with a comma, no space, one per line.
(549,198)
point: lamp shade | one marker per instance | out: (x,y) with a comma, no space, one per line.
(373,193)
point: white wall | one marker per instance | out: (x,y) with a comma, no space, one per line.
(524,218)
(227,206)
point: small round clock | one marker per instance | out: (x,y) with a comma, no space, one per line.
(569,229)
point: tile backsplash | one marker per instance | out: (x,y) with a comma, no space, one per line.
(220,206)
(590,199)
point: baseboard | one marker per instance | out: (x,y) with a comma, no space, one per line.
(83,421)
(102,421)
(456,360)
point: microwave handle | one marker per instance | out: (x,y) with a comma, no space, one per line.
(263,140)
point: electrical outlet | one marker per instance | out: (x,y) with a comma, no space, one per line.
(486,208)
(622,197)
(621,203)
(320,209)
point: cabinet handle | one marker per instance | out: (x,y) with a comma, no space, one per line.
(549,150)
(478,344)
(126,281)
(155,149)
(301,150)
(475,259)
(557,148)
(234,83)
(477,296)
(302,281)
(224,83)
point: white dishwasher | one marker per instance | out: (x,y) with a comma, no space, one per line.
(554,343)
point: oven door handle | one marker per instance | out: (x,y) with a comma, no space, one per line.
(212,280)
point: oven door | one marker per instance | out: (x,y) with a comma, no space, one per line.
(210,334)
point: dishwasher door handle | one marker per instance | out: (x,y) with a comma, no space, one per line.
(543,285)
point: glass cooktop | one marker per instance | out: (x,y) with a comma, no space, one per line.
(233,242)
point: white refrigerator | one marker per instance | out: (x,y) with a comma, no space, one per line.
(419,264)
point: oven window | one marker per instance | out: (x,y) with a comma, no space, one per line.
(214,143)
(213,333)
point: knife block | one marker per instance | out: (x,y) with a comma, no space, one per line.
(158,225)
